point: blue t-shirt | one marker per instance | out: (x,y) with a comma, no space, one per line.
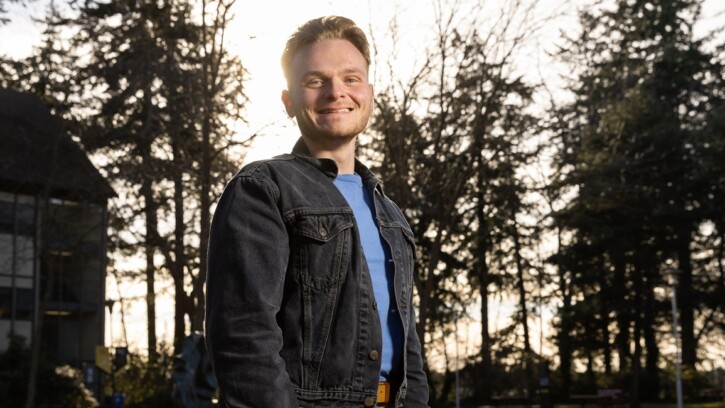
(380,264)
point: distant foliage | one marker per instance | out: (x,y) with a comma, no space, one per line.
(145,383)
(61,386)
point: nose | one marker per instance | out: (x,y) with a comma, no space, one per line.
(335,89)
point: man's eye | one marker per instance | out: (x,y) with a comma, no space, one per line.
(352,80)
(314,83)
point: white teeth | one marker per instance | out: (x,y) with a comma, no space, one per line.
(337,110)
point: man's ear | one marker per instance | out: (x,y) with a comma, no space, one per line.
(287,101)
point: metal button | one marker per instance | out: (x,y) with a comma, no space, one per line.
(323,232)
(374,355)
(369,401)
(375,305)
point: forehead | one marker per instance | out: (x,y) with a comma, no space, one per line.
(329,57)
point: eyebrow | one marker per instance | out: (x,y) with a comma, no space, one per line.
(322,74)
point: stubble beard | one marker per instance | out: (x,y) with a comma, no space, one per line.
(327,134)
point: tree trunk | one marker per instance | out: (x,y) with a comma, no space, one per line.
(623,312)
(520,286)
(686,301)
(637,357)
(197,321)
(150,250)
(179,261)
(564,335)
(205,201)
(651,386)
(604,310)
(482,244)
(152,241)
(37,340)
(425,291)
(43,218)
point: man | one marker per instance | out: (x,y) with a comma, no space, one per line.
(309,294)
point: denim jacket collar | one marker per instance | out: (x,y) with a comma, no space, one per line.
(329,167)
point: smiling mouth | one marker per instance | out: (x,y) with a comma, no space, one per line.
(343,110)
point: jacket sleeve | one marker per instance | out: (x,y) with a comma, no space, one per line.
(417,393)
(248,254)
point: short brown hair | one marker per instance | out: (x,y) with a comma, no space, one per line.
(323,28)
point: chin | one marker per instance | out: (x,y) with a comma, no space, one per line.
(337,136)
(337,133)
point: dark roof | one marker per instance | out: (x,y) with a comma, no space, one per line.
(36,151)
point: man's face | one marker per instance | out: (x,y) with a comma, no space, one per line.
(329,91)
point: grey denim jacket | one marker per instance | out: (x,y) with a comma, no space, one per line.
(291,319)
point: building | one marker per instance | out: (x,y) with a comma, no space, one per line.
(53,222)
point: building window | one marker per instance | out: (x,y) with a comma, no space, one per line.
(16,218)
(67,281)
(23,304)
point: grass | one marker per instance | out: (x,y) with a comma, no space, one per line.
(720,404)
(715,404)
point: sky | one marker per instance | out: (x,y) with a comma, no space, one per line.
(258,34)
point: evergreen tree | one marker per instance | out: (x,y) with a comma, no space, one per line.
(627,153)
(168,96)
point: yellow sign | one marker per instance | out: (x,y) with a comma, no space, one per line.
(103,359)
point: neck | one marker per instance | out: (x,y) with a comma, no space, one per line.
(342,152)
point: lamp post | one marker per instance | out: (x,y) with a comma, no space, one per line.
(458,369)
(109,304)
(672,276)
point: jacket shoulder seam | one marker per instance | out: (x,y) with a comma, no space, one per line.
(253,175)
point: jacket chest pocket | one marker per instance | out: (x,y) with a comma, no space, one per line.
(320,247)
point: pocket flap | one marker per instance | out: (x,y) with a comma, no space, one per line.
(320,226)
